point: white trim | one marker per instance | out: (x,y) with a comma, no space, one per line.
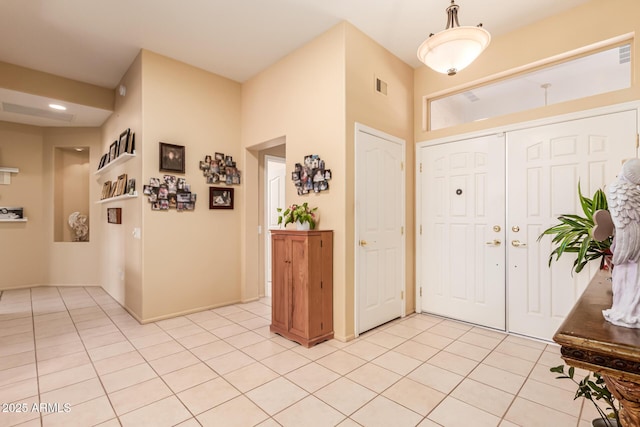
(265,229)
(120,159)
(577,115)
(402,285)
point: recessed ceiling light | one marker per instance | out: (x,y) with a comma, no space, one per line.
(79,149)
(57,107)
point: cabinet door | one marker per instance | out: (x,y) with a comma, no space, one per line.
(299,324)
(315,290)
(281,273)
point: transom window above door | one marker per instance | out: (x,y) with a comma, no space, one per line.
(601,72)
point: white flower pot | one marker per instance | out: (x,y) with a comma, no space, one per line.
(302,226)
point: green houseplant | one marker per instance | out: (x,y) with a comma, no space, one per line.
(574,234)
(593,388)
(295,213)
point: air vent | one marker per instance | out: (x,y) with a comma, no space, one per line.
(470,96)
(37,112)
(624,53)
(381,86)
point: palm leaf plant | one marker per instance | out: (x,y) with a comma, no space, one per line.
(593,388)
(574,234)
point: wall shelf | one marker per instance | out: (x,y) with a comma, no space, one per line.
(5,175)
(114,199)
(124,157)
(14,220)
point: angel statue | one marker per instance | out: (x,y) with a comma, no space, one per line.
(623,198)
(78,224)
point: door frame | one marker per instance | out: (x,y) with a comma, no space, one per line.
(577,115)
(359,127)
(267,240)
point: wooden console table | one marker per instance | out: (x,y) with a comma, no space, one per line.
(590,342)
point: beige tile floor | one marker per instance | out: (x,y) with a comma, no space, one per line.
(77,348)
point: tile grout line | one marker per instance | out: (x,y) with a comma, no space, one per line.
(35,351)
(87,350)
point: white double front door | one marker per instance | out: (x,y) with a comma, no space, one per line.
(483,203)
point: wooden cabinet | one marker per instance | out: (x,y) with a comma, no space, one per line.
(302,285)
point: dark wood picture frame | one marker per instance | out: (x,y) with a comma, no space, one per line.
(171,157)
(113,151)
(114,215)
(220,198)
(123,142)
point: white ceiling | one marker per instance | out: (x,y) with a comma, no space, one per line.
(95,41)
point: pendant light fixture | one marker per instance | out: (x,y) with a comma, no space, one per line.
(455,47)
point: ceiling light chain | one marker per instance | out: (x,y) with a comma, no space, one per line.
(454,48)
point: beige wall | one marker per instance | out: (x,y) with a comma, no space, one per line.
(392,114)
(28,254)
(48,85)
(313,97)
(301,97)
(121,253)
(585,25)
(71,263)
(23,257)
(191,260)
(71,190)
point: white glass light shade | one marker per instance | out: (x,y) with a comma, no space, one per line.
(453,49)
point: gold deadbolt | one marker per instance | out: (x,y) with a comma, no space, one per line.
(496,228)
(515,228)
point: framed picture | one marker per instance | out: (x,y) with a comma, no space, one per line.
(220,198)
(114,215)
(171,158)
(131,144)
(123,142)
(113,151)
(103,160)
(121,185)
(106,190)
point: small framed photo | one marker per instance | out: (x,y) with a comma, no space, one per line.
(219,156)
(114,215)
(113,151)
(123,142)
(220,198)
(103,161)
(106,190)
(171,158)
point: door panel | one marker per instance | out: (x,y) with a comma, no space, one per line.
(275,171)
(544,166)
(462,257)
(380,223)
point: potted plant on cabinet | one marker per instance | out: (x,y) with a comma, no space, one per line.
(302,215)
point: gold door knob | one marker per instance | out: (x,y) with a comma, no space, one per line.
(495,242)
(363,243)
(518,244)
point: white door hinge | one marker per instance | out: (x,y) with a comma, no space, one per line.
(421,167)
(420,290)
(401,294)
(401,166)
(402,231)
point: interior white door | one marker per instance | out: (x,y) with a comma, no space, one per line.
(380,216)
(545,165)
(462,242)
(275,171)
